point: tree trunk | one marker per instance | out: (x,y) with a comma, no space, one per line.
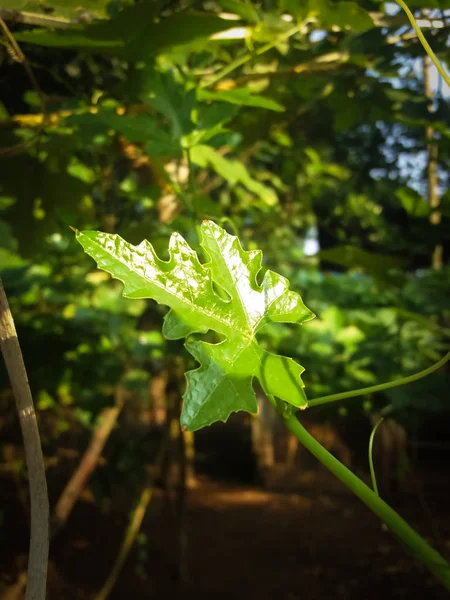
(432,167)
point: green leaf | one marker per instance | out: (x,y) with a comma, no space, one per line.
(233,171)
(223,382)
(241,96)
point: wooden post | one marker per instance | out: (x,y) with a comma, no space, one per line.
(39,537)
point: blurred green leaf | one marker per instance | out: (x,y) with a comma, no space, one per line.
(233,171)
(351,257)
(136,128)
(38,210)
(44,400)
(7,240)
(10,260)
(414,204)
(242,97)
(343,15)
(133,35)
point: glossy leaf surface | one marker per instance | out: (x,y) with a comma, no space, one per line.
(223,382)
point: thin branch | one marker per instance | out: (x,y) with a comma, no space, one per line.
(379,387)
(322,64)
(127,544)
(89,461)
(19,56)
(39,538)
(238,62)
(28,18)
(132,530)
(379,19)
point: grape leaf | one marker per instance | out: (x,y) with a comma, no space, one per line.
(222,295)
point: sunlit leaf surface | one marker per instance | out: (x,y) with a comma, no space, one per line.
(222,295)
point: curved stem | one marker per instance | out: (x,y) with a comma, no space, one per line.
(231,224)
(435,563)
(379,387)
(424,42)
(372,470)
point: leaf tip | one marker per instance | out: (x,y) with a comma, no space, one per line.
(73,228)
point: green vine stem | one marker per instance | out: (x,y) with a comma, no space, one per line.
(231,223)
(379,387)
(372,469)
(423,41)
(435,563)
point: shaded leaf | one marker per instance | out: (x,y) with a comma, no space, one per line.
(414,204)
(210,121)
(38,189)
(171,100)
(136,128)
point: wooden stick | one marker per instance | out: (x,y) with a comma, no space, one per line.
(77,483)
(39,537)
(132,529)
(127,544)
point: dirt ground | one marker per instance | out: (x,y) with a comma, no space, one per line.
(245,542)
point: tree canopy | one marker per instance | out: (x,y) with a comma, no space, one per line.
(314,130)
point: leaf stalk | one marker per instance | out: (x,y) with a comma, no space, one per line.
(419,548)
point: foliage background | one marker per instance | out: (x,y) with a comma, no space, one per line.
(305,127)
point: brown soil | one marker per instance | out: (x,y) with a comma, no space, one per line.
(243,542)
